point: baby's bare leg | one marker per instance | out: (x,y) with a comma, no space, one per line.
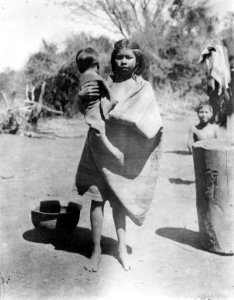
(96,219)
(120,226)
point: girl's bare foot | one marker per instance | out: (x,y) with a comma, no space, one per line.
(94,261)
(123,258)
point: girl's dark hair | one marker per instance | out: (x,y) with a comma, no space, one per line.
(140,60)
(86,58)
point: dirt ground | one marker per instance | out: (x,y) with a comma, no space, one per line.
(168,262)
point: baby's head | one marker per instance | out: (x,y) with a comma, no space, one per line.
(204,112)
(87,58)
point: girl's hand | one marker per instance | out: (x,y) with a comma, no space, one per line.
(89,90)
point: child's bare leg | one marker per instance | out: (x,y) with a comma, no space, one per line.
(120,226)
(96,219)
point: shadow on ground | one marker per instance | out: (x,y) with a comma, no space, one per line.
(180,181)
(186,237)
(181,235)
(78,242)
(180,152)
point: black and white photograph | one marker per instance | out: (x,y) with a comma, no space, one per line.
(116,149)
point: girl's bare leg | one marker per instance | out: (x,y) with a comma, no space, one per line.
(96,219)
(120,226)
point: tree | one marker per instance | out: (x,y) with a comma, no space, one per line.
(42,64)
(228,34)
(60,72)
(125,16)
(170,32)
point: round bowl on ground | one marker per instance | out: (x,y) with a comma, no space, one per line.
(55,222)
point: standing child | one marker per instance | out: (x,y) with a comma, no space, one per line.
(88,64)
(121,165)
(203,130)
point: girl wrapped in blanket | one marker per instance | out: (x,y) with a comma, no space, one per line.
(121,164)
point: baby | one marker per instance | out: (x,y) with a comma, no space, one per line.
(203,130)
(88,65)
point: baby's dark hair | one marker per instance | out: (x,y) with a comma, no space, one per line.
(140,60)
(204,105)
(87,58)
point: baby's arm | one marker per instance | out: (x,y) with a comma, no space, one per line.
(88,93)
(108,102)
(190,139)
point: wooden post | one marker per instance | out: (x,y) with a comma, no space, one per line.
(214,172)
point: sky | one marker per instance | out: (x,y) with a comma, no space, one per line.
(24,23)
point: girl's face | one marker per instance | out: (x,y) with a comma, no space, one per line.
(204,114)
(125,62)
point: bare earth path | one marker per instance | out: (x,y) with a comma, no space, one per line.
(168,261)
